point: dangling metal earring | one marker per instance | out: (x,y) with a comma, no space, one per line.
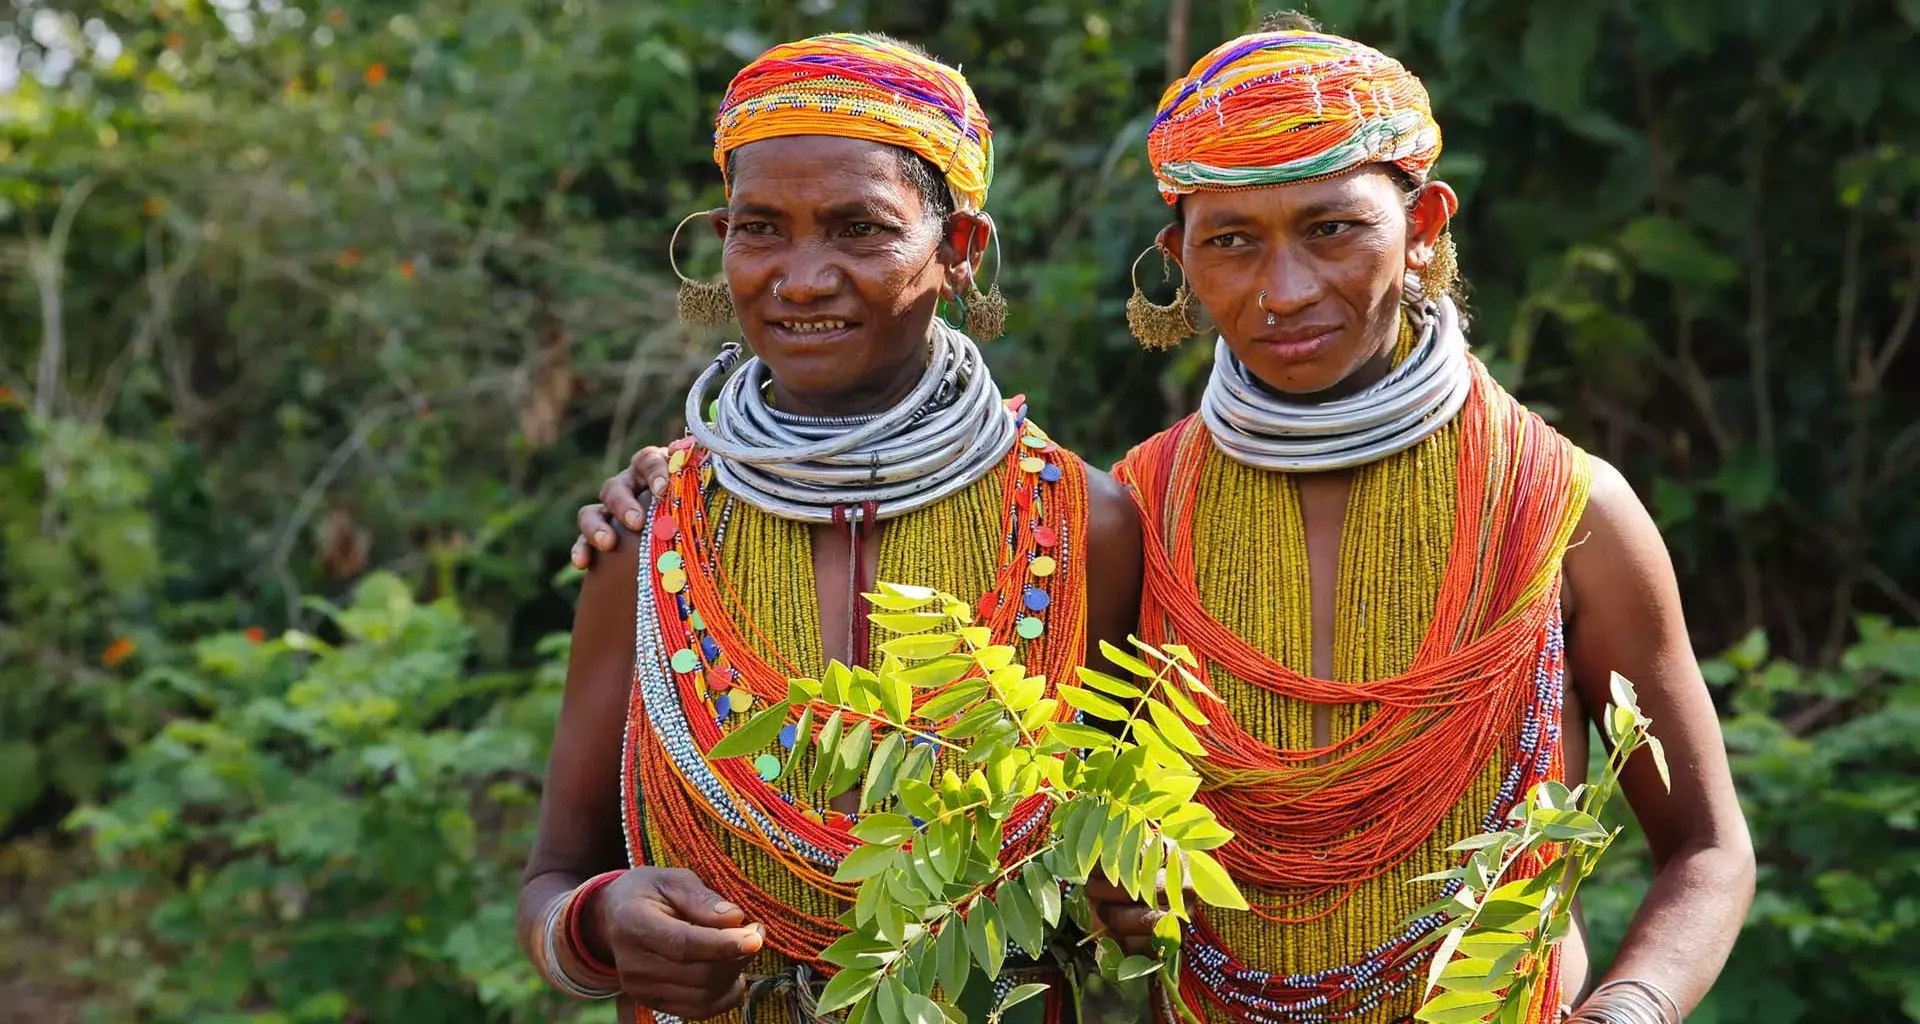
(703,303)
(1160,327)
(1442,272)
(988,310)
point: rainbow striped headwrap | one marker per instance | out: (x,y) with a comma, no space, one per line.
(1281,107)
(860,87)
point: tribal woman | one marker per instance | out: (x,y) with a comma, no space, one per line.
(863,440)
(1409,591)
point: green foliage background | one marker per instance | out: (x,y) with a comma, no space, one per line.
(318,321)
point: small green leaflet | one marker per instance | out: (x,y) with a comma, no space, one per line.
(1019,994)
(1092,703)
(1211,882)
(760,731)
(847,987)
(1107,684)
(864,862)
(986,937)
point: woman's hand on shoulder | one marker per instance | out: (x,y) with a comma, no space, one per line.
(622,500)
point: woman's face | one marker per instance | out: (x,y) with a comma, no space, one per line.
(1304,281)
(858,261)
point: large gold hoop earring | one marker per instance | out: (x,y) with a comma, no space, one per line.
(1157,327)
(986,312)
(704,303)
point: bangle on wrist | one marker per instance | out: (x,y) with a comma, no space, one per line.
(570,923)
(551,966)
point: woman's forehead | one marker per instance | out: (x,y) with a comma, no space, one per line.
(1364,189)
(814,170)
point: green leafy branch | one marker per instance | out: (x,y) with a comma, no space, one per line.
(939,898)
(1493,952)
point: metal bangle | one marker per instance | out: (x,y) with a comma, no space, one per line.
(552,967)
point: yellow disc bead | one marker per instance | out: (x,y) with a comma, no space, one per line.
(1042,566)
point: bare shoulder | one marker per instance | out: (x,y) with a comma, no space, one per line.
(1621,588)
(1615,533)
(1110,508)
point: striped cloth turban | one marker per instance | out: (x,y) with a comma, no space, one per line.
(1276,108)
(862,87)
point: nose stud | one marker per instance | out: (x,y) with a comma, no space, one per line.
(778,281)
(1261,302)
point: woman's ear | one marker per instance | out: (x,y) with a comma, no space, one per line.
(964,246)
(1172,240)
(1433,206)
(717,217)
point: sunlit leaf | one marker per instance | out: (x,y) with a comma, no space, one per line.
(986,937)
(1437,964)
(994,658)
(1211,882)
(1659,753)
(885,828)
(1022,920)
(944,705)
(951,955)
(1135,967)
(1457,1008)
(836,683)
(934,674)
(1184,704)
(802,742)
(1092,703)
(1121,659)
(1044,890)
(880,774)
(1175,729)
(921,646)
(759,732)
(896,698)
(825,760)
(1020,994)
(908,622)
(1107,684)
(864,862)
(845,988)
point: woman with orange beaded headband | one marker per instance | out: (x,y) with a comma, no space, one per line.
(863,439)
(1373,549)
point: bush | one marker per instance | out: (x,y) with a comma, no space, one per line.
(324,831)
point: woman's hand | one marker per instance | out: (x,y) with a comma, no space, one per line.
(676,946)
(619,502)
(1129,921)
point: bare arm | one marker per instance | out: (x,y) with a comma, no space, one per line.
(675,945)
(1113,565)
(1626,618)
(580,832)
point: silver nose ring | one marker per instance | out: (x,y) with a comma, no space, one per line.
(778,281)
(1261,302)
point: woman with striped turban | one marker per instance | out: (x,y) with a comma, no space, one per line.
(1409,592)
(865,439)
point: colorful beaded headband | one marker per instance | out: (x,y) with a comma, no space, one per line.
(861,87)
(1276,108)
